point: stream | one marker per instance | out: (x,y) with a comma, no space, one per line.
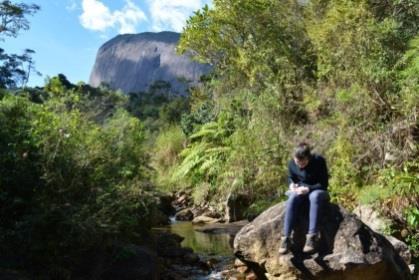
(214,248)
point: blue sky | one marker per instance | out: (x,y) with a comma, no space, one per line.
(66,34)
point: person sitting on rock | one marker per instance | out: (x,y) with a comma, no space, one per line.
(308,180)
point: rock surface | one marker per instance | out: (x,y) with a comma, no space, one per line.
(165,205)
(372,218)
(204,220)
(348,249)
(184,215)
(378,223)
(133,62)
(223,228)
(176,262)
(235,207)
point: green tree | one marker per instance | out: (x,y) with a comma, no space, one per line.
(251,43)
(15,69)
(13,17)
(74,176)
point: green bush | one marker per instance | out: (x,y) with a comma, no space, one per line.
(373,194)
(412,218)
(166,156)
(69,184)
(396,194)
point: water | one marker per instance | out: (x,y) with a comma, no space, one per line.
(203,243)
(207,246)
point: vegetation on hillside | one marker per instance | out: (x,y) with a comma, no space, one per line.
(343,75)
(74,176)
(340,74)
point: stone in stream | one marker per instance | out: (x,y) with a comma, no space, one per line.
(168,246)
(184,215)
(220,228)
(204,220)
(178,262)
(348,249)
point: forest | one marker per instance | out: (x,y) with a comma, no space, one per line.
(81,167)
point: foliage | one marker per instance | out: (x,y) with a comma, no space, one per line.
(201,193)
(202,159)
(69,183)
(412,238)
(12,17)
(403,185)
(410,81)
(250,42)
(344,181)
(168,145)
(192,121)
(342,74)
(158,108)
(373,194)
(15,69)
(96,104)
(395,192)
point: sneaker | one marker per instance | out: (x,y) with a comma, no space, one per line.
(309,247)
(285,245)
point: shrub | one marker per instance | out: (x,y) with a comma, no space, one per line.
(166,155)
(68,184)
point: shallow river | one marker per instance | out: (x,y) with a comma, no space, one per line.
(218,246)
(203,243)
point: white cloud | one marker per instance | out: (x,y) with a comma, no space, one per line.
(172,14)
(98,17)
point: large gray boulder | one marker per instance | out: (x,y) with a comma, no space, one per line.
(348,249)
(134,62)
(380,224)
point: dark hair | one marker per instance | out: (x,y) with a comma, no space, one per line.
(302,151)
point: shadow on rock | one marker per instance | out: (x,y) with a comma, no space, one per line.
(347,249)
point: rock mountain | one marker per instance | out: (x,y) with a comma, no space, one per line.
(133,62)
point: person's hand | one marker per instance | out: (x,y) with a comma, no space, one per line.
(293,186)
(301,190)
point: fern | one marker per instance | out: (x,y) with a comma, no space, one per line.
(208,165)
(193,156)
(206,154)
(218,150)
(208,130)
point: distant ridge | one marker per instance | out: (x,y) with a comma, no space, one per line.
(133,62)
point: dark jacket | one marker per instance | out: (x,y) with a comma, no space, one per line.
(314,175)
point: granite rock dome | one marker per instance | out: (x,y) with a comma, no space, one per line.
(134,62)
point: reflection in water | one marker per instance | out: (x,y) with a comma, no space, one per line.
(218,246)
(203,243)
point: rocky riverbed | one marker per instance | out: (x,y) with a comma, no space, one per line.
(202,242)
(348,247)
(201,248)
(200,252)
